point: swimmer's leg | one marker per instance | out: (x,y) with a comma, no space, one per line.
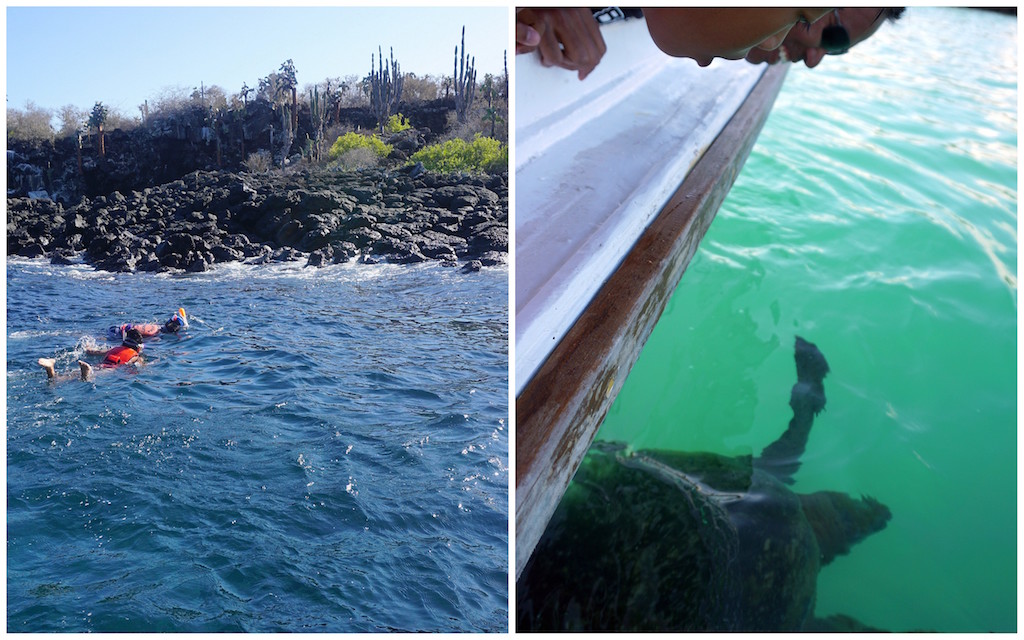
(86,369)
(47,365)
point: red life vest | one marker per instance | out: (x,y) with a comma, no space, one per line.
(118,356)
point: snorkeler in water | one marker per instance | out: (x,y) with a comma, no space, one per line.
(176,322)
(130,352)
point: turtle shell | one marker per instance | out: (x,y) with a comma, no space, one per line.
(671,541)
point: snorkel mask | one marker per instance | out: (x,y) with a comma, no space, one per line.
(133,339)
(176,322)
(117,331)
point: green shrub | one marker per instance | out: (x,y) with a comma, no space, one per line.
(483,154)
(397,123)
(358,158)
(352,140)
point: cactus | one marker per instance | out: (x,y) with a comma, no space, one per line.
(317,120)
(289,81)
(385,89)
(286,133)
(317,112)
(464,80)
(96,119)
(491,112)
(80,169)
(335,100)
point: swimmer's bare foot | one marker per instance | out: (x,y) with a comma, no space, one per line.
(47,365)
(86,369)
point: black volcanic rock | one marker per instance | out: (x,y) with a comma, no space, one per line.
(322,218)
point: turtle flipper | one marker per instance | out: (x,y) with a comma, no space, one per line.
(840,521)
(807,399)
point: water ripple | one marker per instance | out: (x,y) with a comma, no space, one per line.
(279,467)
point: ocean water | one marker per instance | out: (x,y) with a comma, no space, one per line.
(877,218)
(323,450)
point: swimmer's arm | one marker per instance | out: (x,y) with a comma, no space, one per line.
(96,351)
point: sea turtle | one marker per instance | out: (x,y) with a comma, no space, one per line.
(675,541)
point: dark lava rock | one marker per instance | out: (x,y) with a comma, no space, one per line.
(324,217)
(321,257)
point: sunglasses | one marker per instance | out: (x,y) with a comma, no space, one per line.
(835,39)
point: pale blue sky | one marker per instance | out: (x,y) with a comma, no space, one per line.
(123,55)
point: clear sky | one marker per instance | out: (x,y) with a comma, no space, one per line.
(121,56)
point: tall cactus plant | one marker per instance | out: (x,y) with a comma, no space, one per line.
(97,119)
(465,81)
(491,112)
(287,134)
(289,82)
(385,88)
(317,119)
(505,59)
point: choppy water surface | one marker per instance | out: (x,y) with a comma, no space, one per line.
(876,217)
(324,450)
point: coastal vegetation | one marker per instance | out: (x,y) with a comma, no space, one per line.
(397,124)
(385,118)
(388,167)
(354,150)
(454,155)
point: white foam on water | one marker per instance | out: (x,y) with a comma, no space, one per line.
(30,334)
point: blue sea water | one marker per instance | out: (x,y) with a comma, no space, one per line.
(877,218)
(323,450)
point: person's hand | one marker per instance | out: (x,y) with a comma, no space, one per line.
(569,38)
(527,38)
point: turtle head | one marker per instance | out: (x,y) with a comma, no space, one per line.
(841,521)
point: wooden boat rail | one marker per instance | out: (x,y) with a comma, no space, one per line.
(560,409)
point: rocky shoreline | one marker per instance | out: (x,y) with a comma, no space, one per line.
(320,217)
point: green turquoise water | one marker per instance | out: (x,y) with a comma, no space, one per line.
(877,218)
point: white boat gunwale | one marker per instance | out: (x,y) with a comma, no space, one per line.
(560,408)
